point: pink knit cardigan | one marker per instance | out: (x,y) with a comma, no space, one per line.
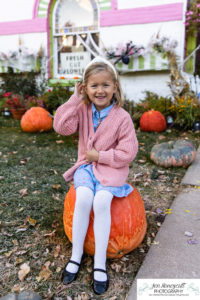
(115,140)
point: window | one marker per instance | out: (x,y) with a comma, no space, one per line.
(75,36)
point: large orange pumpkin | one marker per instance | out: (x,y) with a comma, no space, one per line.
(36,119)
(152,120)
(128,224)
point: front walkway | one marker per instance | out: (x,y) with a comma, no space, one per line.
(175,254)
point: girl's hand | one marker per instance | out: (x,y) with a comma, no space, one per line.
(92,155)
(78,90)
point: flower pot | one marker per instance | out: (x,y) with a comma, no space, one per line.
(17,113)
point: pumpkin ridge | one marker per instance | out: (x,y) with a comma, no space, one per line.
(179,153)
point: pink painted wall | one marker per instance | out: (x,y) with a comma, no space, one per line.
(25,26)
(35,8)
(113,17)
(151,14)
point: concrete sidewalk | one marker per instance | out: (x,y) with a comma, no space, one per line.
(176,255)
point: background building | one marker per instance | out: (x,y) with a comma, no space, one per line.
(71,32)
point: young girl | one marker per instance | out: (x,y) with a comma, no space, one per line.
(107,145)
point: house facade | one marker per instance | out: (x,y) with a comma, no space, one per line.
(71,32)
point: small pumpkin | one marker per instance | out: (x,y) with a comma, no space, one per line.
(36,119)
(153,120)
(173,153)
(128,223)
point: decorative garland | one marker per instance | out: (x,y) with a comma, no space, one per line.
(19,58)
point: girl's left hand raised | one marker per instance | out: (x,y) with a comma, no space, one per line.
(92,155)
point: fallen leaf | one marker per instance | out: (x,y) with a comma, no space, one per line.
(175,180)
(141,250)
(36,192)
(161,172)
(56,197)
(56,186)
(141,161)
(32,222)
(161,137)
(16,288)
(84,296)
(149,241)
(155,243)
(57,250)
(45,273)
(22,228)
(23,192)
(8,254)
(22,252)
(55,172)
(59,142)
(58,269)
(1,177)
(18,261)
(188,233)
(192,242)
(15,242)
(116,267)
(24,161)
(24,270)
(51,234)
(168,211)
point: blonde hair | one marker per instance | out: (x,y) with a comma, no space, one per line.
(99,67)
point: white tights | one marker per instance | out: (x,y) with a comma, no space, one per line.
(101,203)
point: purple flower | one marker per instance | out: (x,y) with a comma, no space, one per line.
(192,242)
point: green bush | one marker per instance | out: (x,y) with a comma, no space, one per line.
(23,83)
(155,102)
(150,101)
(55,97)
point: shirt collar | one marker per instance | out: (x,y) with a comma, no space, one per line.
(103,113)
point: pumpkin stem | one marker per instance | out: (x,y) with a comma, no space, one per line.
(170,144)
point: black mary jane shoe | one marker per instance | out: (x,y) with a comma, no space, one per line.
(68,277)
(100,287)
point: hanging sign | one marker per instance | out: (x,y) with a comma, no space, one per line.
(75,62)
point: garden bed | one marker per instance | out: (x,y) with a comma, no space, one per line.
(32,198)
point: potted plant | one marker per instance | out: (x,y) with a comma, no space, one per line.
(32,101)
(16,105)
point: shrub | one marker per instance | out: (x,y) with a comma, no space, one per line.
(23,83)
(155,102)
(185,110)
(55,97)
(151,101)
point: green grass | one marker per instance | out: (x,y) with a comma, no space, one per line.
(35,162)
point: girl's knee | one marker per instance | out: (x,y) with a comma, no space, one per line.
(84,198)
(102,202)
